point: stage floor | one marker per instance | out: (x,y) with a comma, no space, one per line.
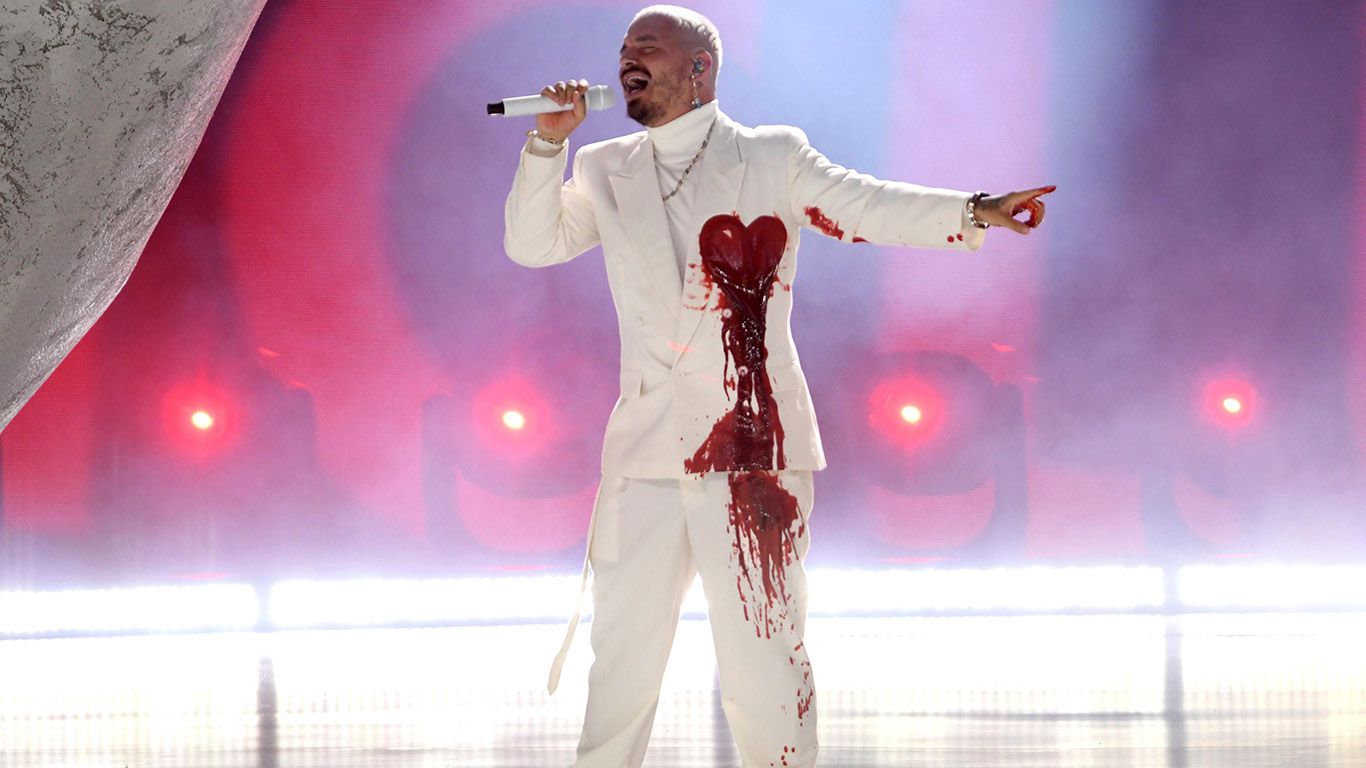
(1194,690)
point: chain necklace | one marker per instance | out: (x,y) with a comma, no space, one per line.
(695,158)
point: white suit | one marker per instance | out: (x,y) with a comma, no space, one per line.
(656,522)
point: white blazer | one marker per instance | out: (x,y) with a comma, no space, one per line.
(672,356)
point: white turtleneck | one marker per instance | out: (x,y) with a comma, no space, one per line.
(675,145)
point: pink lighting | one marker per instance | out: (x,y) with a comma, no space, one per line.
(1229,402)
(906,411)
(513,419)
(202,420)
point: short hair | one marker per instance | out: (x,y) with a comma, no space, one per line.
(692,23)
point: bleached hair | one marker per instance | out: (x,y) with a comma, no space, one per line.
(692,23)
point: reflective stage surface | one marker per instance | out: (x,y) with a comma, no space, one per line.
(1195,690)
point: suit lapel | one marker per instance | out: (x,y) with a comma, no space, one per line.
(722,172)
(636,188)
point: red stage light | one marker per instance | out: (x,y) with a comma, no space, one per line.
(511,418)
(906,410)
(1229,402)
(198,419)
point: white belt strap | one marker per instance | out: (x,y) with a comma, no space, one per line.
(558,666)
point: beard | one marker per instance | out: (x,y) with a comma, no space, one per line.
(651,109)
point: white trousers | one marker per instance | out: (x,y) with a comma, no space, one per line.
(650,538)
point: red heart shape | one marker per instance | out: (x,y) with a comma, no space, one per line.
(745,256)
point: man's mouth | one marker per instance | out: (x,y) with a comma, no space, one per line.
(634,82)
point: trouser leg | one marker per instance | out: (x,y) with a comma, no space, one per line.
(749,537)
(642,567)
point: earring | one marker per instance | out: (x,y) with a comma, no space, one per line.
(696,97)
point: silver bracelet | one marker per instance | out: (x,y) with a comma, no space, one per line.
(535,134)
(972,211)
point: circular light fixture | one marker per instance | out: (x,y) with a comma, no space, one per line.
(513,419)
(202,420)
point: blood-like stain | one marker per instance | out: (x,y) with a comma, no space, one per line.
(806,695)
(766,522)
(806,701)
(824,223)
(858,239)
(1035,212)
(741,263)
(959,236)
(1035,208)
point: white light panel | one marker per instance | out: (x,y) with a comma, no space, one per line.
(135,609)
(1272,586)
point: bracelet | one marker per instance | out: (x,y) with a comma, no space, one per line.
(972,211)
(533,133)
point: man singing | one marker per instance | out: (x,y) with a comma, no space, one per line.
(709,451)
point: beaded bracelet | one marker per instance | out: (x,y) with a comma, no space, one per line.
(972,211)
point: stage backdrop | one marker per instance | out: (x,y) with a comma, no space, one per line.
(324,364)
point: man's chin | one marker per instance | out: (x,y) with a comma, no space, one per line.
(644,113)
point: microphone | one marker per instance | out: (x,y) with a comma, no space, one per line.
(598,98)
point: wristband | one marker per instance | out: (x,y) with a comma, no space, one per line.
(533,133)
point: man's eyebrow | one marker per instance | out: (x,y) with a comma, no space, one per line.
(640,39)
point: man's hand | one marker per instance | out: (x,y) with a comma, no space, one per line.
(558,125)
(1001,210)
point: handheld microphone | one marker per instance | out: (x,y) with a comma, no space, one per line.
(598,98)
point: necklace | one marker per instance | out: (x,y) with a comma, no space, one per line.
(695,158)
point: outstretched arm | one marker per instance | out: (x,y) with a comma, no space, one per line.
(852,206)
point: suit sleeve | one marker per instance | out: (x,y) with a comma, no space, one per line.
(547,220)
(855,207)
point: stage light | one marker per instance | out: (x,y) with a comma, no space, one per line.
(936,425)
(381,602)
(198,419)
(522,599)
(513,419)
(1229,402)
(901,592)
(906,410)
(141,609)
(1272,586)
(522,428)
(202,420)
(519,599)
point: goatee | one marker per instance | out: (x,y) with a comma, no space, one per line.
(645,113)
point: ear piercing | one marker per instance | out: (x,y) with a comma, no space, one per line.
(698,66)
